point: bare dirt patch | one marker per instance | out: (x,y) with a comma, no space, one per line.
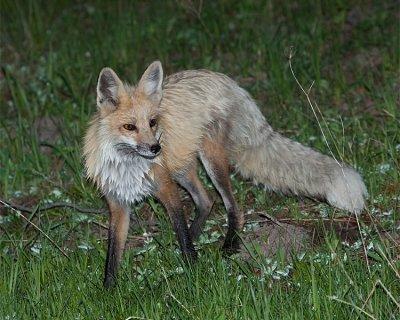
(269,239)
(48,131)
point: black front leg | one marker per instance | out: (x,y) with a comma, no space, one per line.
(117,234)
(182,233)
(110,271)
(167,193)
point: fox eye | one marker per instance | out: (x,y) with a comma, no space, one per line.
(152,122)
(129,127)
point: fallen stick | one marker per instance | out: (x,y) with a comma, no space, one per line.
(36,227)
(52,206)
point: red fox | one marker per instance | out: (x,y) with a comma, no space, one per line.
(146,139)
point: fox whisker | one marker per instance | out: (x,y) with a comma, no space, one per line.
(159,138)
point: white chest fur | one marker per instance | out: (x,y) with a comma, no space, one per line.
(124,178)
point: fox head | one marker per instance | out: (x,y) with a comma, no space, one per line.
(130,114)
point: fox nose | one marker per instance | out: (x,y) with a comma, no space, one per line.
(155,148)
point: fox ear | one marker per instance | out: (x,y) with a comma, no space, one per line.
(108,87)
(151,81)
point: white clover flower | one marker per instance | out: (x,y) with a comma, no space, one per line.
(384,168)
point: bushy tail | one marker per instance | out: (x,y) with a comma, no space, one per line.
(287,166)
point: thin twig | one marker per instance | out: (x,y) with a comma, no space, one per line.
(100,225)
(397,303)
(173,296)
(370,294)
(380,251)
(352,305)
(352,283)
(279,220)
(291,54)
(269,217)
(197,13)
(36,227)
(52,206)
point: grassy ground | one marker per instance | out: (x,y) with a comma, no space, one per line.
(51,53)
